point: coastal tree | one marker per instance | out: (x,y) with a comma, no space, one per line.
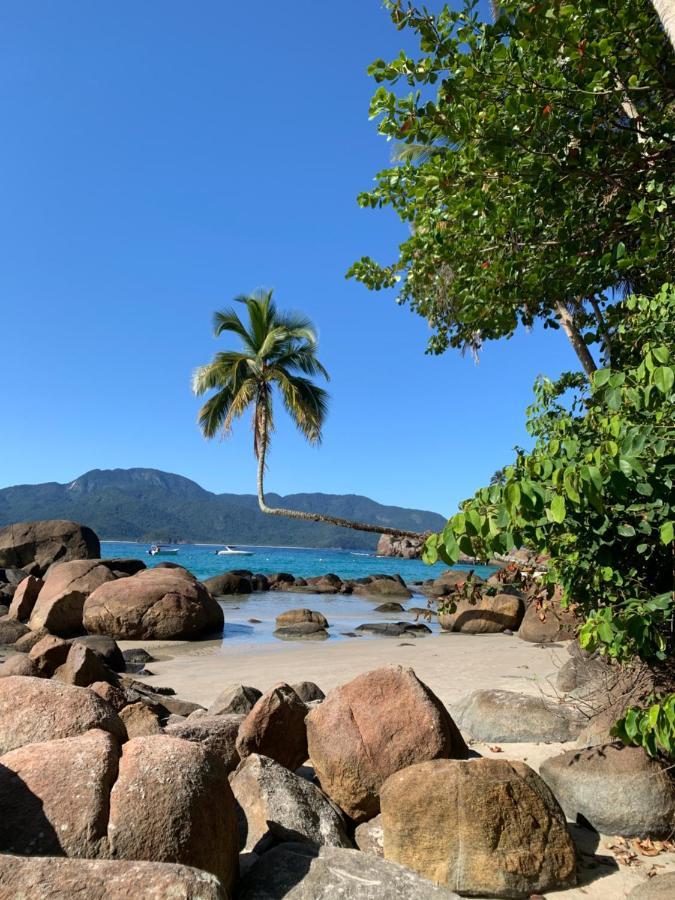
(278,354)
(533,167)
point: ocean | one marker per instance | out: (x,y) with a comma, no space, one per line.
(343,611)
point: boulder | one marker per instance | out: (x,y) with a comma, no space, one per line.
(35,709)
(228,583)
(217,733)
(483,827)
(278,805)
(382,587)
(488,616)
(303,872)
(106,649)
(140,719)
(25,597)
(155,604)
(172,802)
(548,623)
(111,693)
(662,887)
(59,878)
(308,692)
(19,664)
(54,795)
(403,547)
(11,630)
(369,836)
(494,715)
(67,585)
(301,631)
(454,578)
(83,667)
(135,659)
(279,579)
(124,566)
(237,698)
(371,727)
(396,629)
(390,607)
(299,616)
(275,727)
(616,789)
(27,641)
(48,654)
(39,544)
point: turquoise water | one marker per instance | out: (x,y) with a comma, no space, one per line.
(202,561)
(343,611)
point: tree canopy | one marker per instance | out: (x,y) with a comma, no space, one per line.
(534,166)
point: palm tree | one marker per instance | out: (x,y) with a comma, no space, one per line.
(278,351)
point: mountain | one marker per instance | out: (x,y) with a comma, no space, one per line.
(149,505)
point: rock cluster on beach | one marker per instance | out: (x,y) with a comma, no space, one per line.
(110,788)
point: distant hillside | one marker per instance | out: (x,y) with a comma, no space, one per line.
(149,505)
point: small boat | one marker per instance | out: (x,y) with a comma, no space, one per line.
(232,551)
(160,550)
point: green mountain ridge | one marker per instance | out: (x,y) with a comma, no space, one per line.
(151,505)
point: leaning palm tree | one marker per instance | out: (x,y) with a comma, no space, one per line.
(278,352)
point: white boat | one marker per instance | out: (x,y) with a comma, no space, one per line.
(160,550)
(232,551)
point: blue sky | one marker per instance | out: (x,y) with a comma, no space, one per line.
(161,157)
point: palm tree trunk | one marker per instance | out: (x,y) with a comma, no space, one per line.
(576,339)
(665,9)
(307,516)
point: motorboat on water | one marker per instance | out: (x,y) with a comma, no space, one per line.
(160,550)
(232,551)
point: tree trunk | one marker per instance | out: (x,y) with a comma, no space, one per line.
(307,516)
(665,9)
(576,339)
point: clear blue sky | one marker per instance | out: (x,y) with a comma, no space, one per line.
(160,157)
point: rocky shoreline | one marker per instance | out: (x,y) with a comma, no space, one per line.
(109,784)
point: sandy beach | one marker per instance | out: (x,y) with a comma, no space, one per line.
(451,664)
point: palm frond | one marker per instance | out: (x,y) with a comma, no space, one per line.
(305,402)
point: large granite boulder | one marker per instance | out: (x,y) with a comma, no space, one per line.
(371,727)
(54,796)
(403,547)
(39,544)
(19,664)
(36,709)
(228,583)
(48,654)
(369,836)
(140,719)
(83,667)
(25,597)
(60,602)
(105,648)
(275,727)
(494,715)
(217,733)
(301,631)
(449,581)
(298,616)
(483,827)
(154,604)
(616,789)
(382,587)
(488,616)
(59,878)
(278,805)
(303,872)
(172,802)
(549,622)
(236,698)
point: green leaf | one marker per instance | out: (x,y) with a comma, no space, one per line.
(667,532)
(663,378)
(558,509)
(626,530)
